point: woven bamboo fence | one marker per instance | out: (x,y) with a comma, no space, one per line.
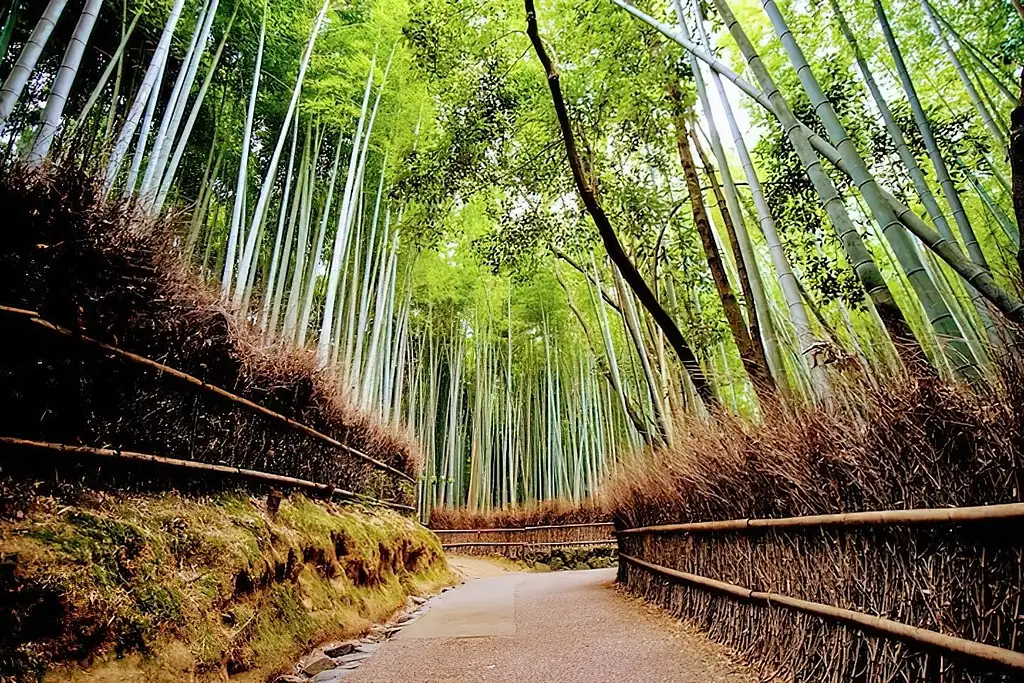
(902,595)
(517,542)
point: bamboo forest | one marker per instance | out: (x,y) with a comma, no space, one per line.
(534,239)
(333,330)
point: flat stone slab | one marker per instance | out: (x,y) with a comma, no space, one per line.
(317,663)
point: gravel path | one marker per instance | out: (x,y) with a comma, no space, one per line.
(562,627)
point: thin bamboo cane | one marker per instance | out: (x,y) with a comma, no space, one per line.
(205,386)
(194,465)
(920,516)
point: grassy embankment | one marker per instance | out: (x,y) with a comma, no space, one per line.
(170,588)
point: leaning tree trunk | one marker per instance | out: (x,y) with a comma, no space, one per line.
(26,64)
(750,354)
(756,312)
(611,241)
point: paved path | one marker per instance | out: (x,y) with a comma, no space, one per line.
(561,627)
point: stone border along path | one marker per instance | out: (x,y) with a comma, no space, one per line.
(331,662)
(515,627)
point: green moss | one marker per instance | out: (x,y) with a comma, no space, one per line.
(133,577)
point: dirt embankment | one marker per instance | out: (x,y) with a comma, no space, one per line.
(170,588)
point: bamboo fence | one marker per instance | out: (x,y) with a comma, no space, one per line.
(207,388)
(516,541)
(931,594)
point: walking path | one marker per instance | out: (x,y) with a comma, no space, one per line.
(561,627)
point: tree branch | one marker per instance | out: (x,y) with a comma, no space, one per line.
(611,242)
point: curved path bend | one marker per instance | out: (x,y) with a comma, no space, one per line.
(561,627)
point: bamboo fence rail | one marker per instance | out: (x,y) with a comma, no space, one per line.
(34,318)
(554,534)
(989,655)
(514,542)
(917,517)
(896,562)
(524,528)
(279,479)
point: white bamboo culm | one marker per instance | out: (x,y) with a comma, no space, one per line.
(179,151)
(292,196)
(108,71)
(314,271)
(175,110)
(275,259)
(341,234)
(62,83)
(149,81)
(270,176)
(243,167)
(15,82)
(172,102)
(145,130)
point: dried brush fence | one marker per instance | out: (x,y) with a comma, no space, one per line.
(30,323)
(518,542)
(907,595)
(889,444)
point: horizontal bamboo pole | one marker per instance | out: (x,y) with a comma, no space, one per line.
(205,386)
(919,517)
(522,528)
(200,466)
(511,544)
(989,655)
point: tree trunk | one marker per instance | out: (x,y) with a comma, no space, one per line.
(604,227)
(756,348)
(753,359)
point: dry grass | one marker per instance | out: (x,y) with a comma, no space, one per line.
(95,267)
(911,444)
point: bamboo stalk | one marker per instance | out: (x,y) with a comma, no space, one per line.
(980,652)
(921,516)
(195,381)
(194,465)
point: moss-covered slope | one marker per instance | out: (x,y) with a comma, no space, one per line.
(170,588)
